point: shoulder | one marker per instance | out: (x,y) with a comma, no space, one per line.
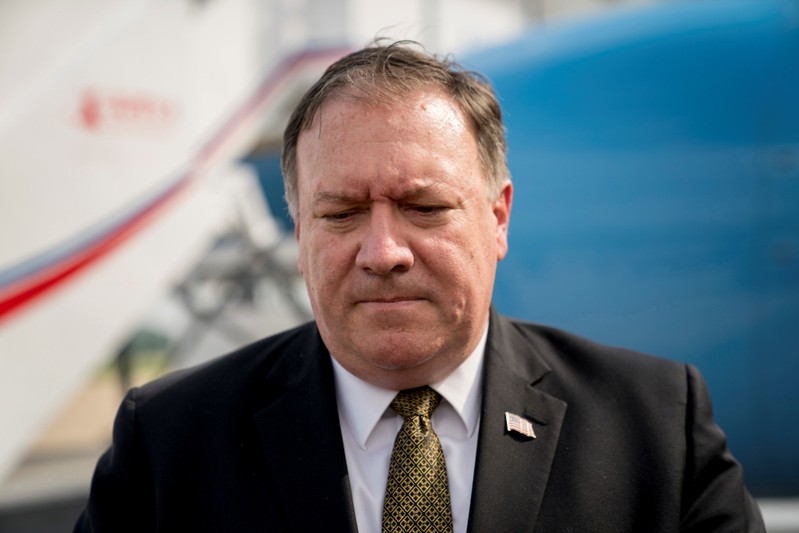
(643,423)
(264,367)
(581,364)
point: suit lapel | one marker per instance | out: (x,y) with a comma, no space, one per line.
(511,470)
(301,438)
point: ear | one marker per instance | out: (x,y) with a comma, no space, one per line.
(501,210)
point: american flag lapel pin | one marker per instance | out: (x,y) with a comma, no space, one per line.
(519,425)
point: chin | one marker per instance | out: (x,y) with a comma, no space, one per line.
(398,355)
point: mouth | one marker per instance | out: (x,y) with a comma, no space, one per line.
(390,302)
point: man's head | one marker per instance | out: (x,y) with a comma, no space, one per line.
(401,199)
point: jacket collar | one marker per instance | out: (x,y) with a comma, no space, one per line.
(512,470)
(306,456)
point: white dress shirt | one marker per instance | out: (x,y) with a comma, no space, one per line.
(369,427)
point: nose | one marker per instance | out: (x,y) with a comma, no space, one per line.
(383,249)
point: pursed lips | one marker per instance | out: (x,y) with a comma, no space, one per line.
(388,301)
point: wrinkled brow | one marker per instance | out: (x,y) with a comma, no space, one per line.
(343,197)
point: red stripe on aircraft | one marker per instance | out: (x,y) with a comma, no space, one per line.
(56,275)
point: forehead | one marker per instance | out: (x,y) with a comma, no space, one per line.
(346,124)
(360,149)
(350,112)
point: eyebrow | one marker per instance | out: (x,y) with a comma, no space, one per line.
(336,197)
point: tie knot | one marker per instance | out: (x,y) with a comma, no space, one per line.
(421,401)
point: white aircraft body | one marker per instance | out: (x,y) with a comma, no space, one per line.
(118,125)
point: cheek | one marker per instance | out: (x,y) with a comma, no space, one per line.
(475,258)
(467,248)
(323,262)
(450,261)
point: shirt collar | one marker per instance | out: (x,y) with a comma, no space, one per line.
(362,404)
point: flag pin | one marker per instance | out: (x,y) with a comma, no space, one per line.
(519,425)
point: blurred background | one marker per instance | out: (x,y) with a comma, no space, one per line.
(654,148)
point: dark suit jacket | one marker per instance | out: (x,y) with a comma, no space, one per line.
(251,442)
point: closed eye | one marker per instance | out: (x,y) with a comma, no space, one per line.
(342,220)
(339,216)
(429,209)
(428,215)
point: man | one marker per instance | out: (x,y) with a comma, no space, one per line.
(395,175)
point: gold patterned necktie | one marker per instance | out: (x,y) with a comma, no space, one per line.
(417,490)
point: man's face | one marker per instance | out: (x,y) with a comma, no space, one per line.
(398,238)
